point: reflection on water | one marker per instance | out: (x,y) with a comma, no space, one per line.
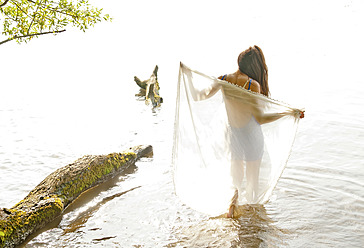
(256,228)
(318,202)
(252,227)
(86,214)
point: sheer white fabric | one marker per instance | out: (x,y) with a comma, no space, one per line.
(220,145)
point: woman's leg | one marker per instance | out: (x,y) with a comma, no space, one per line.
(237,174)
(252,181)
(230,214)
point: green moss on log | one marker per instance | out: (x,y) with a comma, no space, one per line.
(49,199)
(98,168)
(18,224)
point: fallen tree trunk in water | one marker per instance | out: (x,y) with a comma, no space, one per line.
(50,198)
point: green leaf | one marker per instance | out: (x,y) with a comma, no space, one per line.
(25,20)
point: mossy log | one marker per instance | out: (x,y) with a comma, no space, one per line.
(49,199)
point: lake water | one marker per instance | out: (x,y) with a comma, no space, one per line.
(70,95)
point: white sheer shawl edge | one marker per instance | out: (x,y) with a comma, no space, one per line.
(295,112)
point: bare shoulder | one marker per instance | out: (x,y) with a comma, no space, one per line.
(241,79)
(235,78)
(255,86)
(232,78)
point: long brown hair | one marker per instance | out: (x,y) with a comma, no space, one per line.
(252,63)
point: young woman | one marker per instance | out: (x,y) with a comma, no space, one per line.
(245,120)
(245,117)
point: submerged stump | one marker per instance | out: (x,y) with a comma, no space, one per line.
(149,89)
(49,199)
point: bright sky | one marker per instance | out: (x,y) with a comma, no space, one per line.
(315,37)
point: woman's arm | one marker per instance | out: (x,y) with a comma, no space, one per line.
(267,118)
(263,118)
(202,94)
(215,88)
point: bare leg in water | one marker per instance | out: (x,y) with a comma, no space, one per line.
(252,181)
(237,173)
(230,214)
(252,186)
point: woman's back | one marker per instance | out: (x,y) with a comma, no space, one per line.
(239,112)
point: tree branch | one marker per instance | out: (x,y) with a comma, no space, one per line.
(35,14)
(30,35)
(53,9)
(4,3)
